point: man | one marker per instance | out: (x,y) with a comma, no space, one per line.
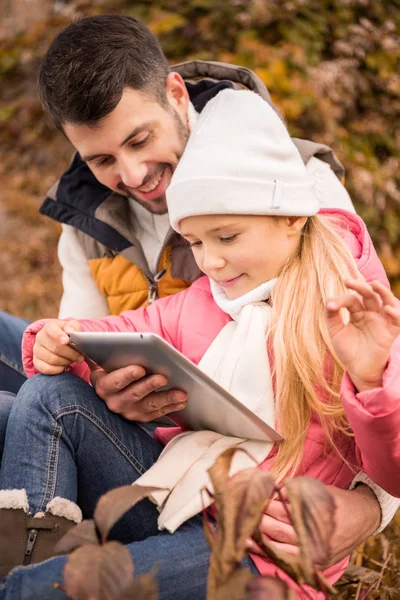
(106,85)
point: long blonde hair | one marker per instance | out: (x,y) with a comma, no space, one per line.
(306,370)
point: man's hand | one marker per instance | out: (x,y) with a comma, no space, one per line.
(51,352)
(357,517)
(130,393)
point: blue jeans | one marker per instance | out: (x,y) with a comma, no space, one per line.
(6,402)
(63,441)
(12,374)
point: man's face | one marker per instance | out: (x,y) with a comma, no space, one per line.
(135,149)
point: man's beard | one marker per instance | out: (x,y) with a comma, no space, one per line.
(158,206)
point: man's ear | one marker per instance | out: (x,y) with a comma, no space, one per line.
(296,224)
(177,93)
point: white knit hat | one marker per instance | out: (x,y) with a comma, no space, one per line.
(240,160)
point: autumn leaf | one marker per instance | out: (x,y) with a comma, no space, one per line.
(240,502)
(115,503)
(313,513)
(98,572)
(83,533)
(235,586)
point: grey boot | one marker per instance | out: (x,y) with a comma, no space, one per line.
(25,539)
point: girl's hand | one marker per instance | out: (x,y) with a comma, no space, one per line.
(363,345)
(51,353)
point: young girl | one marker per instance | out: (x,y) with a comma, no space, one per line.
(294,317)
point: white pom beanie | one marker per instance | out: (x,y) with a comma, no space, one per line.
(240,160)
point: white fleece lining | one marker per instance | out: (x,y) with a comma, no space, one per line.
(61,507)
(388,504)
(16,499)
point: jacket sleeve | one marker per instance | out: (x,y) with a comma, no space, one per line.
(161,317)
(374,416)
(81,298)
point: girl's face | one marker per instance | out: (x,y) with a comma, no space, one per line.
(240,252)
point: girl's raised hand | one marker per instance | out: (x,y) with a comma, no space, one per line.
(51,352)
(363,344)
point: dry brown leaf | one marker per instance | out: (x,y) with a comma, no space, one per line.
(240,502)
(83,533)
(269,588)
(356,574)
(219,472)
(98,572)
(115,503)
(313,513)
(141,588)
(246,495)
(287,562)
(235,587)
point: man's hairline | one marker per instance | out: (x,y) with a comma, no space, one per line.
(146,93)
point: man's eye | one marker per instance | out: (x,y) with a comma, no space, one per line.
(103,161)
(142,142)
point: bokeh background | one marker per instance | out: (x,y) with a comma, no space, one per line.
(332,68)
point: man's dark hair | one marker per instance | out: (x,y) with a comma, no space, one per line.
(91,62)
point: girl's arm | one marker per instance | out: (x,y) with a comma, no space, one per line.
(44,344)
(369,348)
(374,416)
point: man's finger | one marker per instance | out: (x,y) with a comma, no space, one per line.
(108,384)
(155,403)
(146,390)
(152,416)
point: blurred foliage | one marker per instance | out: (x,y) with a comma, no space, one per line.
(332,67)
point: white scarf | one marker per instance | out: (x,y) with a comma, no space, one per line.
(237,360)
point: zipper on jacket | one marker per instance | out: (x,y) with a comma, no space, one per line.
(168,237)
(153,290)
(32,535)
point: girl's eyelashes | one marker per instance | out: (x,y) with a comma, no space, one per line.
(224,240)
(229,238)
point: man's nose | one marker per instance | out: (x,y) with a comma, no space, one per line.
(132,172)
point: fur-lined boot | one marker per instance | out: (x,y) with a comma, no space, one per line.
(27,539)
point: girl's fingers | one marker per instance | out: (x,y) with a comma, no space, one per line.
(349,301)
(45,368)
(371,299)
(393,314)
(65,356)
(386,295)
(253,547)
(277,530)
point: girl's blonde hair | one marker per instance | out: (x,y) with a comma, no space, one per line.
(307,372)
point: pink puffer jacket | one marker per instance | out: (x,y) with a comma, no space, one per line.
(191,320)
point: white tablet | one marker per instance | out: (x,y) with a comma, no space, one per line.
(208,407)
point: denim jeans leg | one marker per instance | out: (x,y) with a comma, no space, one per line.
(12,374)
(6,402)
(181,561)
(63,441)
